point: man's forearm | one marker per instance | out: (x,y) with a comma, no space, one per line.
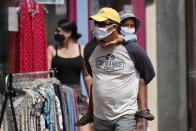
(90,106)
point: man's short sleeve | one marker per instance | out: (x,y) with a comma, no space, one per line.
(88,50)
(141,61)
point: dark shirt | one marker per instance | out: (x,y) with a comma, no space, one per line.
(68,69)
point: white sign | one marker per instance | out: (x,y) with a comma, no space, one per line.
(59,2)
(13,19)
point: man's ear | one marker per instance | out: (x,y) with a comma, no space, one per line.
(115,26)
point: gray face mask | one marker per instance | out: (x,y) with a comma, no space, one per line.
(101,33)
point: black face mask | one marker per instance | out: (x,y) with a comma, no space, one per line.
(59,38)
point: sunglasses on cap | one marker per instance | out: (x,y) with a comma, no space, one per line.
(103,24)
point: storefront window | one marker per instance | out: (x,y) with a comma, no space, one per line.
(53,13)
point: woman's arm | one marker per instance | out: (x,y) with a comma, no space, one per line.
(50,54)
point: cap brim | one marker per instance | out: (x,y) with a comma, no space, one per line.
(98,18)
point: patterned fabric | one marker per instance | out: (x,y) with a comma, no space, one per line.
(28,110)
(49,106)
(49,116)
(33,48)
(58,114)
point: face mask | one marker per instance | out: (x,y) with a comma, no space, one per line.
(59,38)
(101,33)
(126,31)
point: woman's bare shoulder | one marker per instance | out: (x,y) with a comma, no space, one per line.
(51,49)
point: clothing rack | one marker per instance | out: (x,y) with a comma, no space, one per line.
(9,92)
(52,72)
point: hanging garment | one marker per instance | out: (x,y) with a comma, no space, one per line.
(38,109)
(33,48)
(71,106)
(59,93)
(27,112)
(76,105)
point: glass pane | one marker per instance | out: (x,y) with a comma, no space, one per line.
(55,13)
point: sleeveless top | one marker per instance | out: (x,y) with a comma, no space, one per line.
(68,69)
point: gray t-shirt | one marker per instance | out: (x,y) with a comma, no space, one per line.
(116,78)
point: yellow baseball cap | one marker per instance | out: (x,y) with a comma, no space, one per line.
(105,14)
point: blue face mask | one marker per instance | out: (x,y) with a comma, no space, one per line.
(128,34)
(127,31)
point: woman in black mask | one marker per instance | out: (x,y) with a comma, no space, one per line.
(67,58)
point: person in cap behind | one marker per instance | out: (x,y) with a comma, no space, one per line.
(116,73)
(130,25)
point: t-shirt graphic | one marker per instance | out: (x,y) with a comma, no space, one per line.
(110,63)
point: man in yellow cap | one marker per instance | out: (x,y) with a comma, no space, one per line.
(116,73)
